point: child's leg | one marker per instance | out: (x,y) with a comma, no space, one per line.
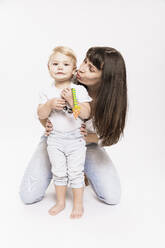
(59,169)
(76,160)
(77,210)
(60,200)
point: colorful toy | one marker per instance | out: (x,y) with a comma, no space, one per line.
(76,108)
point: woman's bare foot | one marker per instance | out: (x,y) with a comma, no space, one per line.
(77,211)
(56,209)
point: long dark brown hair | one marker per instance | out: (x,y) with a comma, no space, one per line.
(109,110)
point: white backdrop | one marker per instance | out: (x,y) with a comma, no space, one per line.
(29,31)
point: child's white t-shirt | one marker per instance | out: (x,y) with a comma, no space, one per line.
(64,121)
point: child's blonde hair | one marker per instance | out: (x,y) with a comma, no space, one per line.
(66,51)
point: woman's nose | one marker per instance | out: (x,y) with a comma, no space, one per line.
(82,68)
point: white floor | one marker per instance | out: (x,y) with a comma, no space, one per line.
(138,221)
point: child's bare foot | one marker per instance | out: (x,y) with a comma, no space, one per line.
(56,209)
(77,211)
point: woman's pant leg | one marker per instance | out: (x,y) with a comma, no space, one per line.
(102,174)
(37,175)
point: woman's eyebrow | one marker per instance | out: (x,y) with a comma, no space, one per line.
(92,66)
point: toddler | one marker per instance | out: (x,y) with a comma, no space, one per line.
(65,144)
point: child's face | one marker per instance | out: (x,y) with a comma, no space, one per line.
(61,67)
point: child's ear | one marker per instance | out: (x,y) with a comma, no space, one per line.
(74,70)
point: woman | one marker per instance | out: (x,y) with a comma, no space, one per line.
(103,73)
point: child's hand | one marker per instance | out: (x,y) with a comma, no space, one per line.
(57,103)
(67,95)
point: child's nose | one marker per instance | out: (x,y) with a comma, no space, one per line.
(59,66)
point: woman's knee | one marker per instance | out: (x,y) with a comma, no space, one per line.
(32,189)
(29,198)
(103,176)
(37,176)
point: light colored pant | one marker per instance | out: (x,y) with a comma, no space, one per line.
(98,168)
(67,152)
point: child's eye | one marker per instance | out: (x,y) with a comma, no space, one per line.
(55,63)
(66,64)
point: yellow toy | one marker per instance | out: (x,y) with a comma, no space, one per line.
(76,108)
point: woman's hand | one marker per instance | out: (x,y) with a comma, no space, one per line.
(83,131)
(48,128)
(88,137)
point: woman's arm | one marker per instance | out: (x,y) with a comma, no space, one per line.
(88,137)
(92,138)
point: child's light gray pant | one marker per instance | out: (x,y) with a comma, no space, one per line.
(98,168)
(67,153)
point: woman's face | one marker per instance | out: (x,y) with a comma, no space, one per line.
(88,74)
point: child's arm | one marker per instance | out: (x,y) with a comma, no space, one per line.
(85,108)
(43,122)
(44,110)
